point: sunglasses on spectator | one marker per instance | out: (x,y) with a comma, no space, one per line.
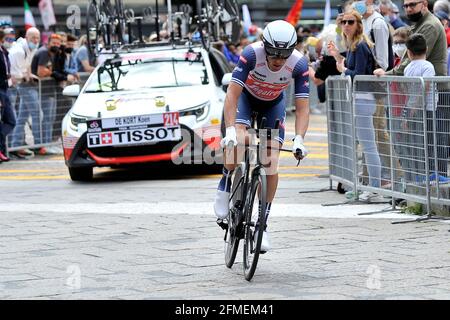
(411,5)
(349,22)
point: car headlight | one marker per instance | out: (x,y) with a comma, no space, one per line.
(200,112)
(76,120)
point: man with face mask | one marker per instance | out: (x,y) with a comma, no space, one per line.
(425,23)
(7,114)
(43,66)
(390,12)
(21,55)
(10,38)
(65,74)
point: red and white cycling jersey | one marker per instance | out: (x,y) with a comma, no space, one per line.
(253,73)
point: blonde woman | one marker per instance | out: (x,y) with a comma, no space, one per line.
(359,61)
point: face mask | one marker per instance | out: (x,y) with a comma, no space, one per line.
(7,45)
(54,49)
(415,16)
(32,45)
(387,19)
(361,7)
(68,50)
(399,49)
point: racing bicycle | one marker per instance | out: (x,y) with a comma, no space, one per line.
(105,24)
(247,204)
(217,20)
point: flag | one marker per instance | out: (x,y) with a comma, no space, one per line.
(327,14)
(47,13)
(246,18)
(29,20)
(295,13)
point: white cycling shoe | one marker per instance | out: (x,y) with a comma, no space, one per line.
(265,242)
(221,204)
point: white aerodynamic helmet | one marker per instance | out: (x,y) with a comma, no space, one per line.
(279,38)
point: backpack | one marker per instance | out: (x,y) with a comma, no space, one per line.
(391,56)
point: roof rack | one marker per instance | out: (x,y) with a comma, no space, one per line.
(170,44)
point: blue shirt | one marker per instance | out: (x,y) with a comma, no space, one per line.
(360,61)
(70,65)
(82,54)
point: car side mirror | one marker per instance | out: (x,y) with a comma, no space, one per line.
(72,90)
(226,79)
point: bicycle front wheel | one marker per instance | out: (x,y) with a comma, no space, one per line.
(255,208)
(234,231)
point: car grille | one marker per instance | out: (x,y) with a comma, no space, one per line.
(133,151)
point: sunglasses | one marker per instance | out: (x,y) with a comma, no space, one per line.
(349,22)
(278,53)
(411,5)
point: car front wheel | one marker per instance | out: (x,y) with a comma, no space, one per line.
(81,174)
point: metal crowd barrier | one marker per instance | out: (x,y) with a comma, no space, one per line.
(414,164)
(340,130)
(439,137)
(40,108)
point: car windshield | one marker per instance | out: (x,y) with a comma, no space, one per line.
(148,74)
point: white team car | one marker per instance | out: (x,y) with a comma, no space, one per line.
(162,103)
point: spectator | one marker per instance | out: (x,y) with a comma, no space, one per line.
(376,28)
(432,30)
(390,12)
(443,17)
(7,114)
(8,43)
(243,42)
(64,72)
(10,38)
(325,65)
(399,43)
(359,61)
(27,88)
(70,65)
(83,58)
(397,101)
(43,66)
(231,53)
(420,67)
(441,5)
(252,34)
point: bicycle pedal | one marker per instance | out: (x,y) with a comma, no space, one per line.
(222,224)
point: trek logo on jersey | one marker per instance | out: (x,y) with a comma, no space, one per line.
(258,76)
(241,58)
(238,69)
(263,90)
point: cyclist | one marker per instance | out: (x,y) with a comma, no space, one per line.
(258,83)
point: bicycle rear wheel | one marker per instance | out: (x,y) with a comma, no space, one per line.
(230,25)
(93,23)
(254,219)
(233,234)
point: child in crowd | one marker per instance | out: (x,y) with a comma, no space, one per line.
(419,67)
